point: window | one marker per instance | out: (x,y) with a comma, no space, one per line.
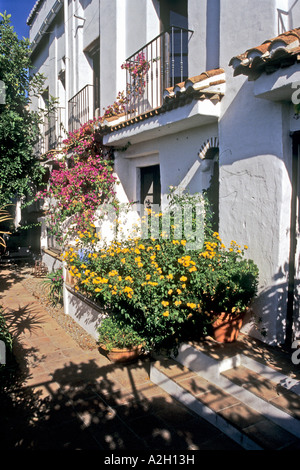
(150,186)
(173,13)
(93,52)
(96,78)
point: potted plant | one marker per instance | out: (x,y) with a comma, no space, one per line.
(119,341)
(225,283)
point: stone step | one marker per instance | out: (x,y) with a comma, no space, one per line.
(224,393)
(270,391)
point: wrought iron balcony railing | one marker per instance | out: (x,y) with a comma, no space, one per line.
(80,108)
(158,65)
(53,131)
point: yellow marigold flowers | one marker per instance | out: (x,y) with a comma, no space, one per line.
(169,276)
(183,278)
(177,303)
(166,313)
(185,261)
(113,273)
(191,305)
(170,291)
(165,303)
(183,242)
(217,236)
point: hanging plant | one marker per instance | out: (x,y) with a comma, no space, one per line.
(138,68)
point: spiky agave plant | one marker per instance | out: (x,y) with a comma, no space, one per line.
(4,216)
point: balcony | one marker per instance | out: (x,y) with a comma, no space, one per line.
(80,108)
(158,65)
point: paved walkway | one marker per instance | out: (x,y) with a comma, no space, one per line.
(68,398)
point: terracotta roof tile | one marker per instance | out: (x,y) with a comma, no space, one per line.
(34,11)
(281,51)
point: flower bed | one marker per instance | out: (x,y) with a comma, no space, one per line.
(165,291)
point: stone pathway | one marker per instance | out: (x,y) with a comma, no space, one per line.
(66,397)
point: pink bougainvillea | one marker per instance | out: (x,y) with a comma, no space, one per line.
(81,183)
(138,68)
(83,179)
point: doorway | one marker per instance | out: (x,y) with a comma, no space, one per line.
(292,317)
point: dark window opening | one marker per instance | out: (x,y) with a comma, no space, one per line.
(173,13)
(213,190)
(96,78)
(174,19)
(150,186)
(93,51)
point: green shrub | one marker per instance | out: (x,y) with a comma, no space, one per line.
(5,336)
(162,288)
(54,284)
(114,333)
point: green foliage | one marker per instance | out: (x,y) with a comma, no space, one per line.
(19,127)
(114,333)
(162,288)
(54,285)
(4,217)
(5,335)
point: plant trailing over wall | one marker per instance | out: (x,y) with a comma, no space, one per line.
(77,188)
(84,179)
(138,68)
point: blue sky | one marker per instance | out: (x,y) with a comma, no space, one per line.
(19,10)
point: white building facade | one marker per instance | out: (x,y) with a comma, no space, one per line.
(217,108)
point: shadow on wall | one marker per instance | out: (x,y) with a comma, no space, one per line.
(84,312)
(269,324)
(253,129)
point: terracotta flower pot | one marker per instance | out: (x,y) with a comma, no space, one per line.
(227,327)
(70,280)
(122,355)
